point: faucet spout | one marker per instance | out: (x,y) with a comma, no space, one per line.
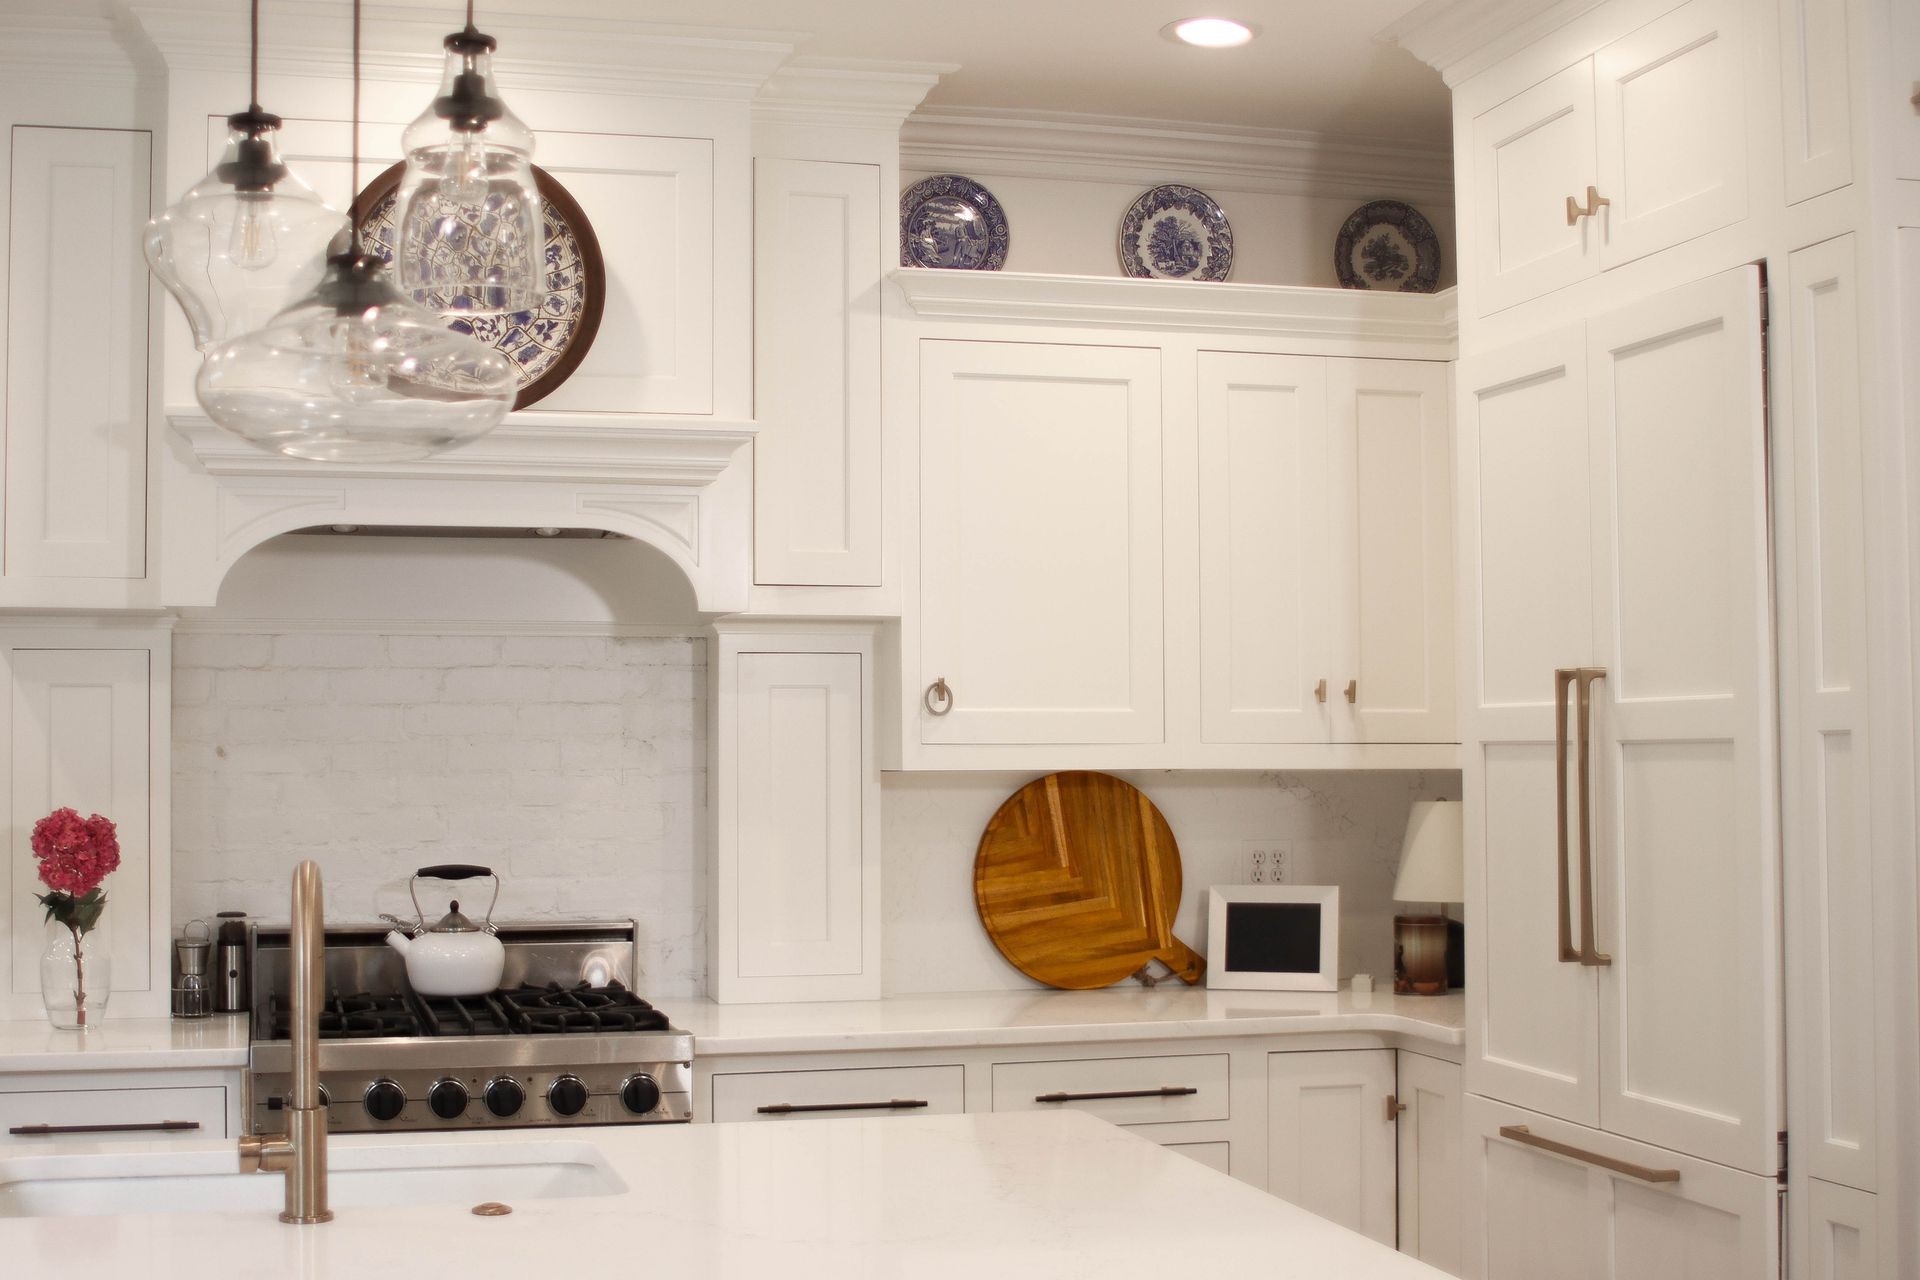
(302,1154)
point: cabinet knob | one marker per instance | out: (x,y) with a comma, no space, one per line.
(1320,690)
(1352,691)
(1574,211)
(1395,1108)
(939,693)
(1595,203)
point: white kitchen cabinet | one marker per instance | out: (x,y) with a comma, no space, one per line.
(1431,1165)
(1842,1238)
(796,884)
(1817,92)
(1631,461)
(816,458)
(1593,1206)
(76,354)
(1169,1089)
(788,1096)
(1652,124)
(1040,544)
(35,1119)
(87,724)
(1331,1136)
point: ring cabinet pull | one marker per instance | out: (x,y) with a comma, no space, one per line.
(938,690)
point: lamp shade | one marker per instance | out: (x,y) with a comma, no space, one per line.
(1430,857)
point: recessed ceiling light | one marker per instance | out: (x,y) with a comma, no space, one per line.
(1209,33)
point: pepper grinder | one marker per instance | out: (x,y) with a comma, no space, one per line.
(232,988)
(191,996)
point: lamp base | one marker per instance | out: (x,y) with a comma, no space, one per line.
(1420,955)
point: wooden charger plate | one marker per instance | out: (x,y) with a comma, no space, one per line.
(1077,881)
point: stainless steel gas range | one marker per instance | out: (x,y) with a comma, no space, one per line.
(565,1041)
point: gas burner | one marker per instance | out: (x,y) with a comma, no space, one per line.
(359,1016)
(554,1008)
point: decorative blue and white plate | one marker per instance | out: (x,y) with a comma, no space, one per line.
(1387,245)
(1176,233)
(954,223)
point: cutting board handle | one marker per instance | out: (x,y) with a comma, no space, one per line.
(1187,964)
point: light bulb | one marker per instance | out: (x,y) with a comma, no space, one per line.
(357,371)
(252,244)
(466,184)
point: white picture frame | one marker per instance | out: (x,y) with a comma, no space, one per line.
(1268,951)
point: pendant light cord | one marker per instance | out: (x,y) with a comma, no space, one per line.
(253,63)
(354,169)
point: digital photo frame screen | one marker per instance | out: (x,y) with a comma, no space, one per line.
(1273,937)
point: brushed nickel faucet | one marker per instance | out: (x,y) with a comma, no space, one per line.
(302,1154)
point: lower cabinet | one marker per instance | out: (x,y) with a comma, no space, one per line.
(822,1095)
(1430,1160)
(1552,1200)
(33,1116)
(1840,1243)
(1331,1136)
(1125,1091)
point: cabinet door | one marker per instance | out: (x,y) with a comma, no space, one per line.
(1578,1212)
(1839,1242)
(1265,577)
(1040,591)
(1391,455)
(1817,89)
(1686,835)
(1906,44)
(1671,111)
(793,896)
(76,355)
(1431,1167)
(80,739)
(1527,588)
(1529,154)
(816,459)
(1330,1141)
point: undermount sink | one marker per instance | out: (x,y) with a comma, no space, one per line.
(207,1178)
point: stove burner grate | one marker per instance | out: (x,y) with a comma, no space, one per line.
(557,1009)
(549,1010)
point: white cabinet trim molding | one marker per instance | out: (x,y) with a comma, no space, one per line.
(1461,38)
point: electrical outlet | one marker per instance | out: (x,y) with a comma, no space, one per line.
(1280,862)
(1267,860)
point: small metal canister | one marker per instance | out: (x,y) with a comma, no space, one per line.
(192,998)
(232,986)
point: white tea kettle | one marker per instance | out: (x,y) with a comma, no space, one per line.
(453,956)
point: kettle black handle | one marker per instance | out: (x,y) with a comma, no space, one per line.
(453,871)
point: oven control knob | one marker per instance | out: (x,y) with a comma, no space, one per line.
(448,1098)
(567,1096)
(504,1096)
(385,1099)
(640,1093)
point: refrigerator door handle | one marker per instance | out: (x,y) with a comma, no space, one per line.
(1562,681)
(1585,679)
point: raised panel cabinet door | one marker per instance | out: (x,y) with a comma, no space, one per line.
(1391,452)
(1432,1166)
(1266,590)
(1685,827)
(1530,154)
(1671,112)
(1826,776)
(1040,522)
(1839,1241)
(816,458)
(797,893)
(1330,1141)
(1527,590)
(1528,1214)
(76,354)
(1817,96)
(80,739)
(1906,43)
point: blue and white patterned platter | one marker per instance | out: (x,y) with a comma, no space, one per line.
(953,223)
(1176,233)
(1387,245)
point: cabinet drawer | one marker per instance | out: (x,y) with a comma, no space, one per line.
(825,1095)
(112,1115)
(1126,1091)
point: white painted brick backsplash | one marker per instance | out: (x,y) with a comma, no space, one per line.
(574,765)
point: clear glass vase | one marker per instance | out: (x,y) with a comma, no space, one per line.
(76,977)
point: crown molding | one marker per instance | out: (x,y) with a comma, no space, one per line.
(1428,321)
(560,447)
(68,47)
(1145,152)
(847,92)
(199,622)
(1461,38)
(539,51)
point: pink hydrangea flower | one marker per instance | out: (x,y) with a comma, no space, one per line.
(75,853)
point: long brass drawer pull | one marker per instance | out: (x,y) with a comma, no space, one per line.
(795,1108)
(1586,676)
(1165,1091)
(1562,682)
(54,1130)
(1527,1137)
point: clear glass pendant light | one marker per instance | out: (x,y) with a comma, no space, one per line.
(354,372)
(249,237)
(468,232)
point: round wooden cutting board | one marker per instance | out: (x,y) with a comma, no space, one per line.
(1077,881)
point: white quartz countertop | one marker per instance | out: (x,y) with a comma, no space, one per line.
(1125,1012)
(124,1044)
(1056,1195)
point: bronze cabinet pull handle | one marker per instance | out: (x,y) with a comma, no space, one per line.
(1525,1136)
(1353,692)
(938,689)
(1165,1091)
(53,1130)
(1574,211)
(1395,1108)
(794,1108)
(1562,681)
(1586,677)
(1320,690)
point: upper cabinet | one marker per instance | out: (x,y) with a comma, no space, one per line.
(1637,148)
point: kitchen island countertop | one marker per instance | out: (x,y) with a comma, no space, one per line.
(1057,1195)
